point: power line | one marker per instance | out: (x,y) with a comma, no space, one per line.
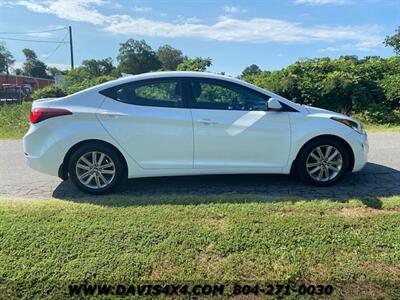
(60,43)
(56,48)
(35,41)
(29,32)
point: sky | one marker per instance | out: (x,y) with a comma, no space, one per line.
(235,34)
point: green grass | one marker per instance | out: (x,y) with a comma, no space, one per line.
(382,128)
(47,244)
(14,120)
(372,127)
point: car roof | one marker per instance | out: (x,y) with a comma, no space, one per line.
(167,74)
(170,74)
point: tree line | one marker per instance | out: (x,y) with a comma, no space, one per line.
(134,57)
(368,86)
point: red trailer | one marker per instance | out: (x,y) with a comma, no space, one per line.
(19,80)
(17,88)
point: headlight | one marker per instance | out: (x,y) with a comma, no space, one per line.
(357,126)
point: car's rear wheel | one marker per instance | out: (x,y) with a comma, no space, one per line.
(323,162)
(96,169)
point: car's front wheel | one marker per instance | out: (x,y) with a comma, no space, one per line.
(96,168)
(323,162)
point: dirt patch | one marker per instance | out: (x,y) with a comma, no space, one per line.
(364,211)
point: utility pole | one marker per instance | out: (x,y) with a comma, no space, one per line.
(71,48)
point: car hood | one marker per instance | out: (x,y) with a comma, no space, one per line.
(324,112)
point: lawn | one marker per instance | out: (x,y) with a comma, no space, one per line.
(14,120)
(381,128)
(354,245)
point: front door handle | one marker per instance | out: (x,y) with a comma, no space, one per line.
(206,122)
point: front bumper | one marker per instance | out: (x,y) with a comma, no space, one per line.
(360,149)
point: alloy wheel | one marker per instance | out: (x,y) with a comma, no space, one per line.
(95,170)
(324,163)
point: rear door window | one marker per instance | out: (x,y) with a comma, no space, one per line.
(162,92)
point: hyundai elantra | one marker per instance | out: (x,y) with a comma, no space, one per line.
(187,123)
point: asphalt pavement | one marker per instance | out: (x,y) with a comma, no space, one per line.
(380,177)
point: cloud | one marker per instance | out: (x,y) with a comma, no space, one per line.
(253,30)
(234,9)
(74,10)
(193,20)
(19,64)
(141,9)
(225,28)
(322,2)
(180,19)
(35,7)
(6,3)
(361,46)
(40,34)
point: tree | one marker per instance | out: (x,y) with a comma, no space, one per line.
(98,67)
(89,70)
(6,59)
(198,64)
(251,70)
(350,58)
(32,65)
(29,54)
(169,57)
(76,76)
(394,41)
(137,57)
(391,88)
(53,71)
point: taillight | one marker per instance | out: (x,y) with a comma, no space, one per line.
(42,113)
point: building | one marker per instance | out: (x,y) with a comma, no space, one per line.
(25,81)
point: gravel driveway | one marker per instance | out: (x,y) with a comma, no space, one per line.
(381,177)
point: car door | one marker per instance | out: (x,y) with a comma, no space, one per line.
(233,128)
(149,121)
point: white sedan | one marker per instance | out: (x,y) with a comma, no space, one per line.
(187,123)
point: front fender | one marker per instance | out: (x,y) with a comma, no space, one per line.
(306,128)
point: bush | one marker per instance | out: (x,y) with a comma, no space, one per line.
(379,114)
(53,91)
(346,84)
(50,91)
(74,88)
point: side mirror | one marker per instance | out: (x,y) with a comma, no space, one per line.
(274,104)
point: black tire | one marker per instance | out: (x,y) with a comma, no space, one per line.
(305,153)
(113,156)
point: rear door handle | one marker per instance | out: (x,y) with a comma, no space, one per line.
(206,122)
(111,114)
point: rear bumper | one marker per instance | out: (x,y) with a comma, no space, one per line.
(41,165)
(41,153)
